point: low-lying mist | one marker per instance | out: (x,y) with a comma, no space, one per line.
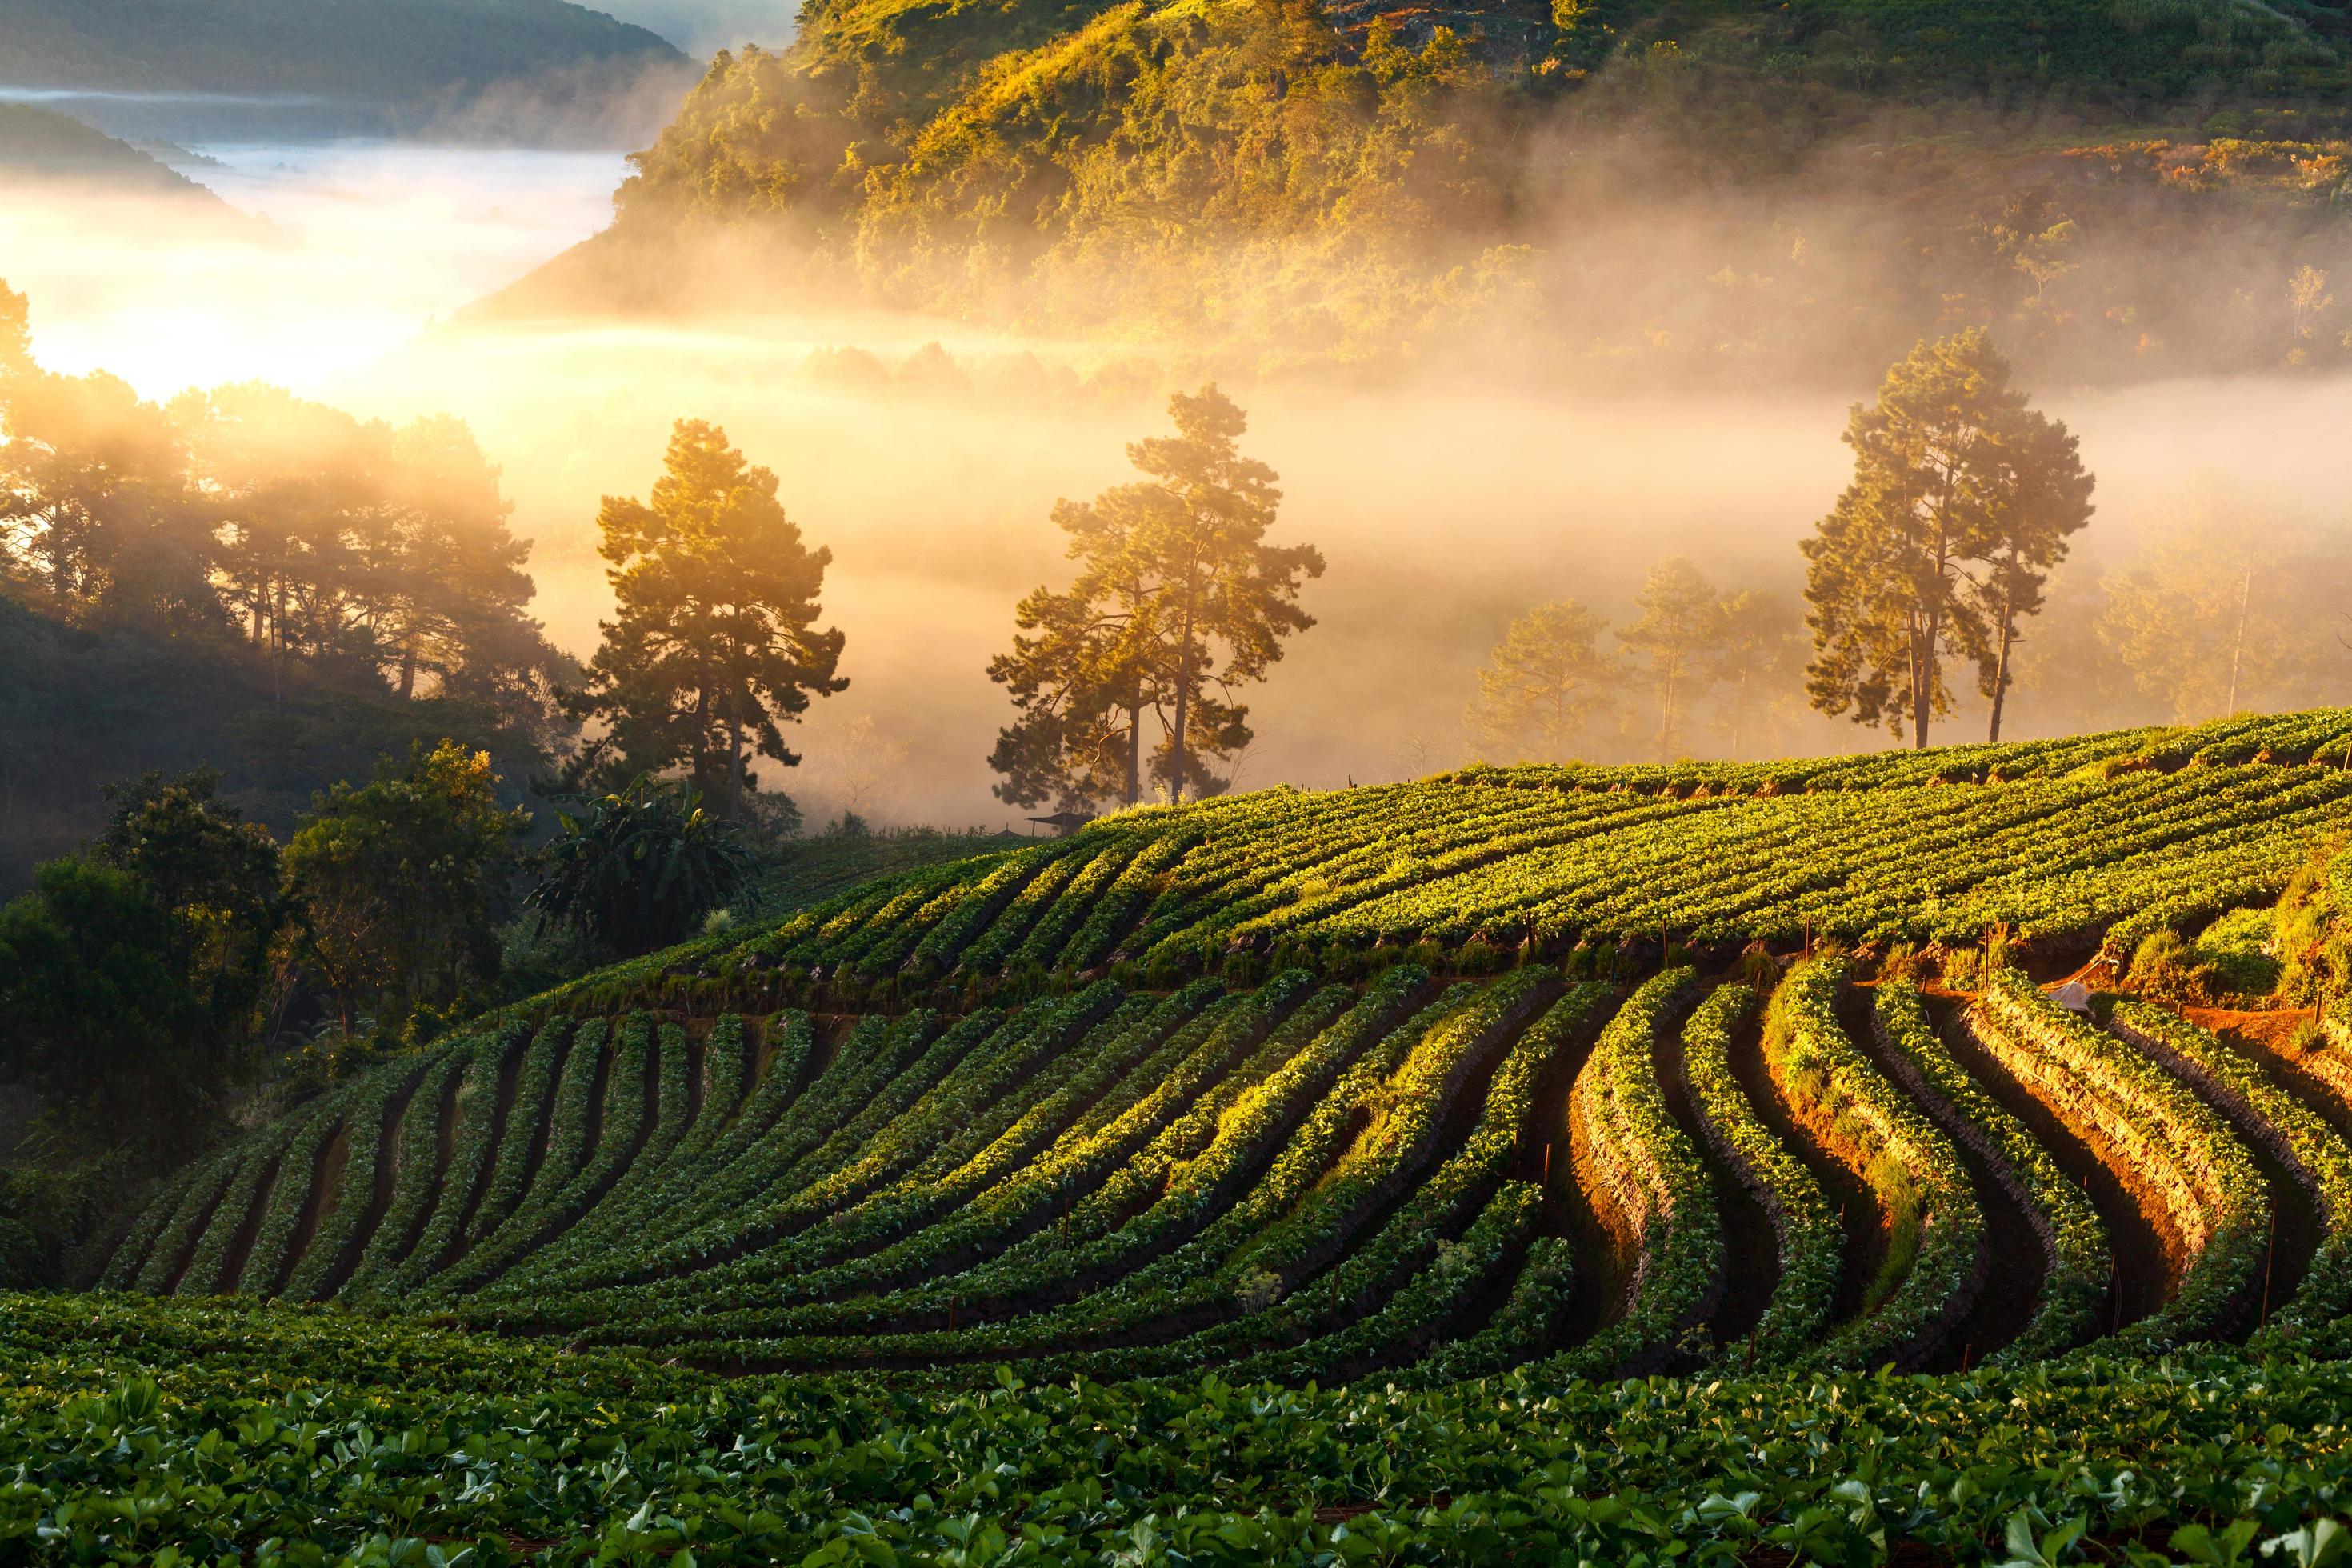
(1447,501)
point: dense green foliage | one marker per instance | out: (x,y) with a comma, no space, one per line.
(131,1430)
(639,869)
(2119,187)
(1012,1262)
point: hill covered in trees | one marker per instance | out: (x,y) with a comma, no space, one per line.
(2122,190)
(420,54)
(41,147)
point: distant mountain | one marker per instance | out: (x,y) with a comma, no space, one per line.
(40,146)
(355,49)
(701,26)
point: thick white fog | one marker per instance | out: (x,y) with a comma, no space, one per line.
(1445,506)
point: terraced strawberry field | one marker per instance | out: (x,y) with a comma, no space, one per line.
(1375,1091)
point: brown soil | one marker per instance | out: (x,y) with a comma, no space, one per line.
(387,1169)
(501,1109)
(1751,1252)
(318,1202)
(445,1146)
(240,1246)
(2142,1248)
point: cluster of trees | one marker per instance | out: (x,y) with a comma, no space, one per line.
(2233,600)
(1694,655)
(184,949)
(140,974)
(319,552)
(1126,681)
(1930,570)
(379,560)
(183,952)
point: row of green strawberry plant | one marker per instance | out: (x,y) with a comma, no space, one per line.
(676,1162)
(1804,1226)
(277,1244)
(374,1106)
(130,1249)
(1652,1175)
(562,1144)
(1936,1257)
(1385,1302)
(1182,1181)
(890,1179)
(2167,1144)
(880,1066)
(1383,1162)
(1193,1283)
(2076,1262)
(614,1184)
(208,1271)
(143,1431)
(1193,1060)
(506,1176)
(474,1147)
(2314,1153)
(591,1140)
(439,1108)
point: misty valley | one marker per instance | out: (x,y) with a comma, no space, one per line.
(1179,782)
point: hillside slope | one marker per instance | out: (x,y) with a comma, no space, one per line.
(40,146)
(1395,1080)
(1629,187)
(373,50)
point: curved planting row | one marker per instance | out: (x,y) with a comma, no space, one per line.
(1653,1180)
(2314,1155)
(2191,1174)
(1804,1225)
(2063,841)
(2073,1243)
(1301,1181)
(1934,1226)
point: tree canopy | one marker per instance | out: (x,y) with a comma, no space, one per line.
(1545,686)
(1178,602)
(401,882)
(714,643)
(639,868)
(1962,500)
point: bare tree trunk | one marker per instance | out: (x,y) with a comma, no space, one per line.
(2001,666)
(1920,685)
(1184,705)
(1135,754)
(2238,642)
(734,768)
(1666,728)
(407,671)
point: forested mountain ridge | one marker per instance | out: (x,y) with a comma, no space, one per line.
(1804,186)
(42,145)
(386,50)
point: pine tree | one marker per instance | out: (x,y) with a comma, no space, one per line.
(1962,498)
(1545,686)
(713,643)
(1680,633)
(1178,602)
